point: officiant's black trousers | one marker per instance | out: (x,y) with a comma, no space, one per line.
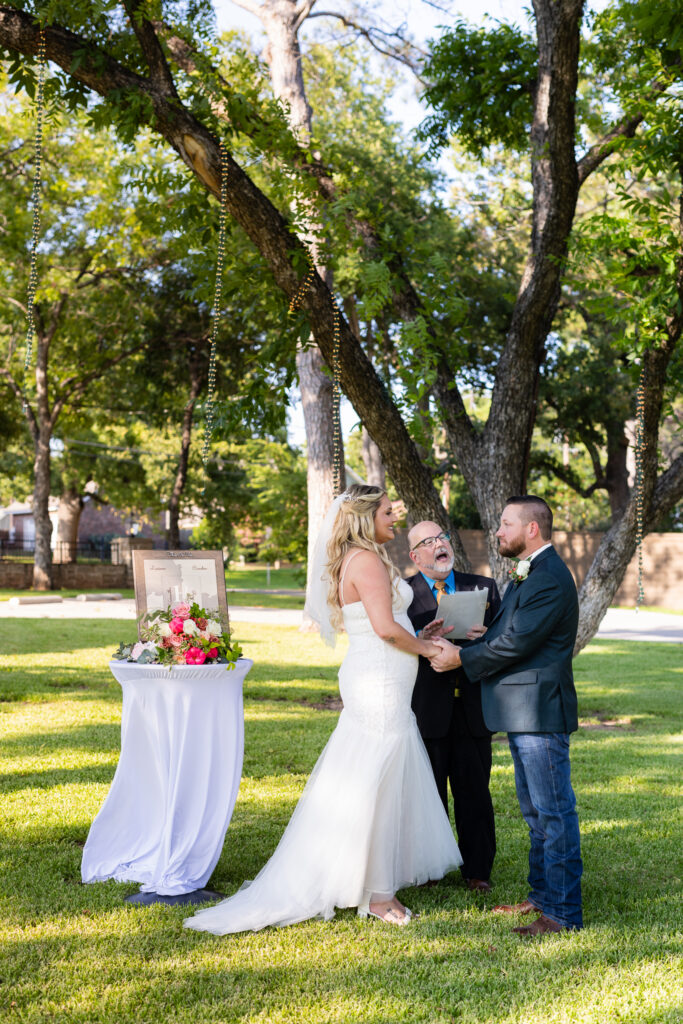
(465,761)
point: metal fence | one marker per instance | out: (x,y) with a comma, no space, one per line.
(83,551)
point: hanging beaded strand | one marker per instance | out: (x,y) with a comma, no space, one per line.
(336,381)
(639,482)
(215,312)
(295,302)
(337,482)
(35,202)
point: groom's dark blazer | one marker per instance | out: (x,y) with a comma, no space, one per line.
(524,661)
(433,694)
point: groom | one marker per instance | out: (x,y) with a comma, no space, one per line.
(524,665)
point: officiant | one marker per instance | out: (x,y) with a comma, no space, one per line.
(448,713)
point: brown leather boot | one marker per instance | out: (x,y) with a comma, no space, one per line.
(541,926)
(515,908)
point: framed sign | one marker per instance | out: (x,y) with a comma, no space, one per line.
(164,578)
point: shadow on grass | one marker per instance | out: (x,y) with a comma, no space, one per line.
(448,970)
(74,635)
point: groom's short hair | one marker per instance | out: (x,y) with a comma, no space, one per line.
(536,509)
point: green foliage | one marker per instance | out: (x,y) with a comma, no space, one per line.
(255,494)
(481,82)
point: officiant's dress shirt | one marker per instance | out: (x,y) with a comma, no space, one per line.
(450,587)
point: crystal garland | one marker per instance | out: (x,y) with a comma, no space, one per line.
(35,201)
(639,483)
(215,312)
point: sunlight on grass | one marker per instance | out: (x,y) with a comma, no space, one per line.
(73,953)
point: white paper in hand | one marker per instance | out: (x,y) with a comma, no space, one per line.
(462,610)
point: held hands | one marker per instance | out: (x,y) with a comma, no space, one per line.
(448,656)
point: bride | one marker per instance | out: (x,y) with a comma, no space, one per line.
(370,820)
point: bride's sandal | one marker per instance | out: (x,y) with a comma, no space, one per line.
(390,915)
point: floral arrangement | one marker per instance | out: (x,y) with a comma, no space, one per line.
(520,571)
(183,634)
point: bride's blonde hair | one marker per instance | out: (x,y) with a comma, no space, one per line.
(354,527)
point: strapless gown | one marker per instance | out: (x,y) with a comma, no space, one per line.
(370,820)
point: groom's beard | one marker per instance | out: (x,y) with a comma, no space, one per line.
(512,549)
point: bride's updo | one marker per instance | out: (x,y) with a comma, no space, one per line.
(354,527)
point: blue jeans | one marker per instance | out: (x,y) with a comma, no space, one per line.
(548,804)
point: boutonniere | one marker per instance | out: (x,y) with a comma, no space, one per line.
(520,571)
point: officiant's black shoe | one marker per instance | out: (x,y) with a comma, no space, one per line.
(477,885)
(515,908)
(541,926)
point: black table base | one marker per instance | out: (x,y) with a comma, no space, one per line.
(146,899)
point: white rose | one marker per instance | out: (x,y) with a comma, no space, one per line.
(140,647)
(523,568)
(165,629)
(214,628)
(190,627)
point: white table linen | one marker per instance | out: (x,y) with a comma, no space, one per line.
(164,819)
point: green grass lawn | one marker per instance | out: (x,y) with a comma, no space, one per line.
(256,576)
(73,953)
(249,578)
(123,591)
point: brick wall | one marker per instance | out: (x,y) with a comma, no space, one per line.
(662,563)
(662,567)
(19,576)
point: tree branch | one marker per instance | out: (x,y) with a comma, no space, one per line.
(565,473)
(394,52)
(625,129)
(151,48)
(303,11)
(599,152)
(73,387)
(249,5)
(667,493)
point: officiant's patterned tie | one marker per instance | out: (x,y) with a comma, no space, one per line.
(440,586)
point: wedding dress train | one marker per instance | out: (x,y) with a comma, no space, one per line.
(370,820)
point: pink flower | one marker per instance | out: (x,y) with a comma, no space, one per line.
(176,641)
(177,624)
(195,656)
(201,623)
(213,653)
(181,611)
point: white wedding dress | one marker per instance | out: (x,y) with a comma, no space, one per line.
(370,820)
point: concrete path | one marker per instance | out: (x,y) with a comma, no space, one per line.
(618,624)
(628,624)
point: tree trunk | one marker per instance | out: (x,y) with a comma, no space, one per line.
(616,471)
(173,532)
(492,462)
(375,472)
(42,434)
(68,518)
(619,543)
(269,232)
(42,565)
(316,397)
(283,55)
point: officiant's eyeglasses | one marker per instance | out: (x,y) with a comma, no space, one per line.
(431,542)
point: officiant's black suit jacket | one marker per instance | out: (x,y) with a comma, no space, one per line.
(433,695)
(524,662)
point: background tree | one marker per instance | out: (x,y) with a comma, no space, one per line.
(537,98)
